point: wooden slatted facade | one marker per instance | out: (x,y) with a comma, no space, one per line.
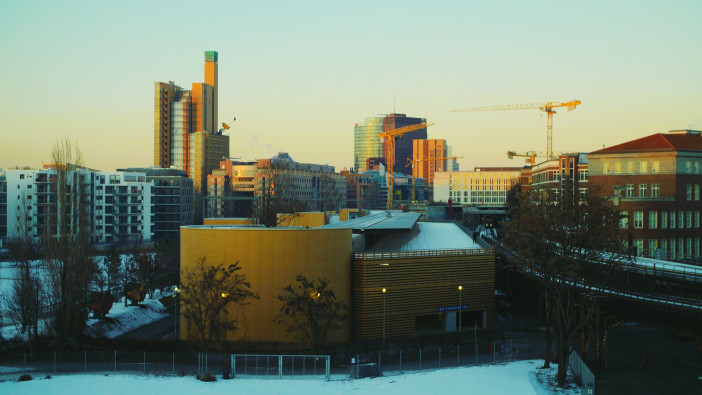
(419,283)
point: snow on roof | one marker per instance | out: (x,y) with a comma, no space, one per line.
(426,236)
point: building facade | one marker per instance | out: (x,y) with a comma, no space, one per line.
(482,186)
(566,172)
(404,143)
(117,206)
(186,134)
(172,200)
(367,142)
(360,190)
(655,182)
(427,155)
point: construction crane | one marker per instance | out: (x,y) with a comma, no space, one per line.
(411,162)
(530,155)
(390,136)
(548,108)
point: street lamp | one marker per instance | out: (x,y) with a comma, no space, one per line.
(175,317)
(224,296)
(460,307)
(384,290)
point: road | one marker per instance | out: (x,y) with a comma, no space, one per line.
(162,329)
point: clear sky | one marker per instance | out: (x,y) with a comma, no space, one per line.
(299,75)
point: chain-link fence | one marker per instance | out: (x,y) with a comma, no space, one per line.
(437,357)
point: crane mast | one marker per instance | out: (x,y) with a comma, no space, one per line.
(390,137)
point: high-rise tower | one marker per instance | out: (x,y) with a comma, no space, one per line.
(186,134)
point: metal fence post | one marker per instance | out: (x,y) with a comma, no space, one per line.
(510,349)
(379,363)
(115,360)
(233,365)
(526,347)
(400,361)
(420,359)
(440,347)
(458,355)
(328,367)
(25,361)
(173,363)
(144,362)
(494,358)
(85,360)
(280,366)
(54,362)
(206,369)
(268,365)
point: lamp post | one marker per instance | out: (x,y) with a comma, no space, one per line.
(224,296)
(175,316)
(384,290)
(460,307)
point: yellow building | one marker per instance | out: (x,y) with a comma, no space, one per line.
(228,221)
(271,259)
(307,220)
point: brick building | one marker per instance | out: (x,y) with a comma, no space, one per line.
(655,182)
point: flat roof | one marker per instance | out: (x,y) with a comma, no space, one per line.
(428,236)
(392,220)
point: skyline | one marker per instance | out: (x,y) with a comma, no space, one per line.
(298,78)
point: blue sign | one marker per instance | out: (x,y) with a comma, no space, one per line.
(453,308)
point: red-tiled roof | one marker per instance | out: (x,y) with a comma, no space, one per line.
(657,142)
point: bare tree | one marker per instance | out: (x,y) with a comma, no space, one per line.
(23,302)
(331,192)
(207,290)
(570,244)
(67,255)
(276,195)
(311,311)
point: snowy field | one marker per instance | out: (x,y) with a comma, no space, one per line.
(514,378)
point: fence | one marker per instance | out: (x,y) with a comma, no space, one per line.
(393,362)
(580,369)
(160,363)
(437,357)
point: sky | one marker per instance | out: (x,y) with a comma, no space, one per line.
(298,75)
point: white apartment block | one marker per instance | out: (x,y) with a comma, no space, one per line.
(118,205)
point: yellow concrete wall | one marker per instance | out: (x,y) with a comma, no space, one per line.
(227,221)
(310,220)
(271,259)
(344,213)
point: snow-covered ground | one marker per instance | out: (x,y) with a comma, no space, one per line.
(514,378)
(123,319)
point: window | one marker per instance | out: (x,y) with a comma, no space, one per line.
(655,166)
(672,249)
(655,190)
(618,167)
(583,175)
(624,220)
(681,219)
(644,166)
(583,193)
(606,167)
(688,166)
(642,190)
(638,219)
(688,216)
(697,219)
(21,178)
(688,192)
(664,219)
(689,246)
(653,219)
(638,244)
(697,247)
(681,248)
(697,192)
(652,247)
(629,190)
(664,248)
(630,167)
(672,220)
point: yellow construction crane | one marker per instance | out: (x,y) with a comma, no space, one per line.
(548,108)
(411,162)
(390,137)
(530,155)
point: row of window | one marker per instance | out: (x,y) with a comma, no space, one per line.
(668,219)
(690,166)
(680,248)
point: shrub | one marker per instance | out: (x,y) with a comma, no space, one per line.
(208,378)
(25,377)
